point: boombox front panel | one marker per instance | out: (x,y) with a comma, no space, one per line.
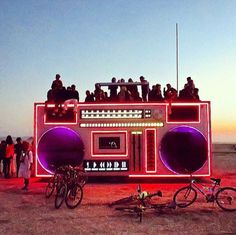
(126,139)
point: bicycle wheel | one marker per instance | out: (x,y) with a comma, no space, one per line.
(137,210)
(124,200)
(60,195)
(185,196)
(50,188)
(74,196)
(226,198)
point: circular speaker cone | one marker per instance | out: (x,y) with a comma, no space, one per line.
(60,146)
(183,150)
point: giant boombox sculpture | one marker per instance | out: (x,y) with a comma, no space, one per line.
(144,139)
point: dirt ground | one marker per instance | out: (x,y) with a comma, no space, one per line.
(31,213)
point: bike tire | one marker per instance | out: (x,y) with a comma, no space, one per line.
(185,196)
(60,195)
(124,200)
(74,196)
(226,198)
(132,209)
(50,188)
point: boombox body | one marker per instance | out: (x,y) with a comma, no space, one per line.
(126,139)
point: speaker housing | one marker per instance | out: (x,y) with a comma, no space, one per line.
(126,139)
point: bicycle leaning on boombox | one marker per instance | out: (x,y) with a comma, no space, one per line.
(68,182)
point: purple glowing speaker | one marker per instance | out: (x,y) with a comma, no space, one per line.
(60,146)
(183,150)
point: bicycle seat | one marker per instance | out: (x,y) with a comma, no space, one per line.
(217,181)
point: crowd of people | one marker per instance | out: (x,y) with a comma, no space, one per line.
(16,159)
(120,91)
(59,94)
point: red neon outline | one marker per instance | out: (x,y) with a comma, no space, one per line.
(209,137)
(125,154)
(56,123)
(208,134)
(146,157)
(166,175)
(60,123)
(183,104)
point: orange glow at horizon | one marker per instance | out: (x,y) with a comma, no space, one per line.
(223,131)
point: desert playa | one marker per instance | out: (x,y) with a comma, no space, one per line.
(31,213)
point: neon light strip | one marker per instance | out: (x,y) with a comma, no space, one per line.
(209,138)
(106,116)
(106,169)
(36,146)
(36,137)
(135,104)
(53,105)
(100,114)
(122,124)
(114,111)
(176,176)
(146,154)
(136,132)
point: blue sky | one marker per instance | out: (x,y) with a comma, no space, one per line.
(92,41)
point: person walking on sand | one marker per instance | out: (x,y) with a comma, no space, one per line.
(26,163)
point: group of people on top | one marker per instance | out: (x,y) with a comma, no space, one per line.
(59,94)
(16,159)
(120,91)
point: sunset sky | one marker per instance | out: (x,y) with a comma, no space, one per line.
(92,41)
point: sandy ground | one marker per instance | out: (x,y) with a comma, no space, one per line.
(31,213)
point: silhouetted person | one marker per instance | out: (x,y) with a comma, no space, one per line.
(51,94)
(195,94)
(113,90)
(136,96)
(71,97)
(144,88)
(152,94)
(58,93)
(190,84)
(186,93)
(132,88)
(8,157)
(75,93)
(159,96)
(89,97)
(98,93)
(57,83)
(170,93)
(2,154)
(18,151)
(124,95)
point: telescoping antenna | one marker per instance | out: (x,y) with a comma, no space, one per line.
(177,57)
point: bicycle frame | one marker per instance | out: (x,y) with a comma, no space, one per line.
(207,191)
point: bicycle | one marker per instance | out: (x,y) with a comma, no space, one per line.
(225,197)
(70,188)
(54,182)
(141,202)
(75,185)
